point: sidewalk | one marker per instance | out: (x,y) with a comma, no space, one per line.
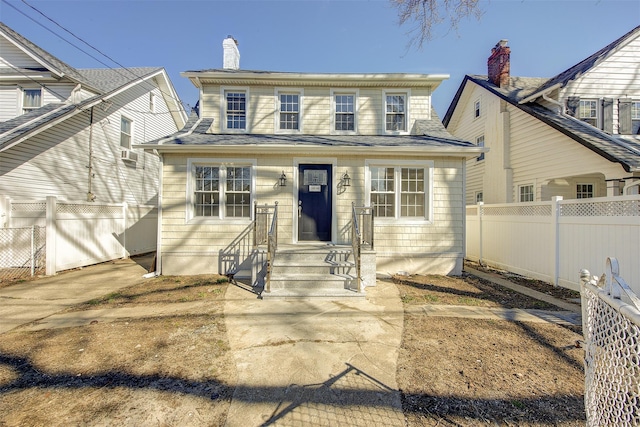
(34,300)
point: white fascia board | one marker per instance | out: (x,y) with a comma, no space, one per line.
(537,95)
(306,150)
(174,100)
(329,79)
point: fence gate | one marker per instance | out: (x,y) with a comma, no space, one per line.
(611,327)
(22,252)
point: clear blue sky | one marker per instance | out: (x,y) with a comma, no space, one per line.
(546,37)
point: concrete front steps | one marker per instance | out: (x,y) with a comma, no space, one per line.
(313,271)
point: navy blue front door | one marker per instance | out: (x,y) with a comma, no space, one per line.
(314,202)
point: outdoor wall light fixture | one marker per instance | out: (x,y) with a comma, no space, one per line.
(346,180)
(282,180)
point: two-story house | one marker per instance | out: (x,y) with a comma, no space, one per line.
(317,144)
(574,135)
(70,132)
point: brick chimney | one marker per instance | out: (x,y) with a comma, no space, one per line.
(231,54)
(499,64)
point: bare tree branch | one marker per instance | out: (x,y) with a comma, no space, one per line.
(425,15)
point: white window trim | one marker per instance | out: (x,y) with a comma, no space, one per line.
(481,156)
(152,102)
(131,135)
(223,109)
(479,102)
(476,194)
(22,109)
(593,188)
(356,94)
(598,117)
(190,217)
(407,95)
(285,91)
(533,192)
(428,165)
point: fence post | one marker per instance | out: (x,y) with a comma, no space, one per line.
(5,211)
(33,250)
(555,234)
(480,205)
(125,209)
(51,235)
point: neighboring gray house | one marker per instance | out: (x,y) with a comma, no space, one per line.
(574,135)
(70,132)
(316,144)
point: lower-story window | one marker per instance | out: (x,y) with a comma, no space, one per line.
(584,191)
(400,191)
(219,191)
(526,193)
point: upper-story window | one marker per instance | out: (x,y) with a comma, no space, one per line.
(31,99)
(344,112)
(396,112)
(235,110)
(476,109)
(480,143)
(635,117)
(289,108)
(126,132)
(588,111)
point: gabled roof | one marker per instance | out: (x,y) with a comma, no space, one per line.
(612,148)
(104,82)
(436,140)
(586,64)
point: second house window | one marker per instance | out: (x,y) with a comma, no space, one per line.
(288,119)
(396,112)
(344,112)
(236,110)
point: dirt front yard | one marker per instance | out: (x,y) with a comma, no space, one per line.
(177,370)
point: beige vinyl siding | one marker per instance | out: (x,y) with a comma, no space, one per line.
(430,246)
(540,153)
(317,108)
(468,127)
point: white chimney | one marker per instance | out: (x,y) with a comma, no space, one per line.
(231,60)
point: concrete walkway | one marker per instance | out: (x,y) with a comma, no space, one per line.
(315,362)
(34,300)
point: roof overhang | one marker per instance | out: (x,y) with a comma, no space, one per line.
(386,151)
(215,77)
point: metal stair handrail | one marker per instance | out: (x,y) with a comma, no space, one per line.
(361,236)
(266,232)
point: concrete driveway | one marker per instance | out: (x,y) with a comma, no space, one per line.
(34,300)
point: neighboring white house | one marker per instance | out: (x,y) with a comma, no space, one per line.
(574,135)
(69,132)
(334,139)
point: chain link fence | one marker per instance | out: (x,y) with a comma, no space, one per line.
(611,325)
(22,252)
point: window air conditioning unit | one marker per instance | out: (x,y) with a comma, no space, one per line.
(129,156)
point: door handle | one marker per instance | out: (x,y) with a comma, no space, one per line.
(299,209)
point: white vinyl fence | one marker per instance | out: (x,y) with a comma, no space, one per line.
(85,233)
(552,241)
(611,327)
